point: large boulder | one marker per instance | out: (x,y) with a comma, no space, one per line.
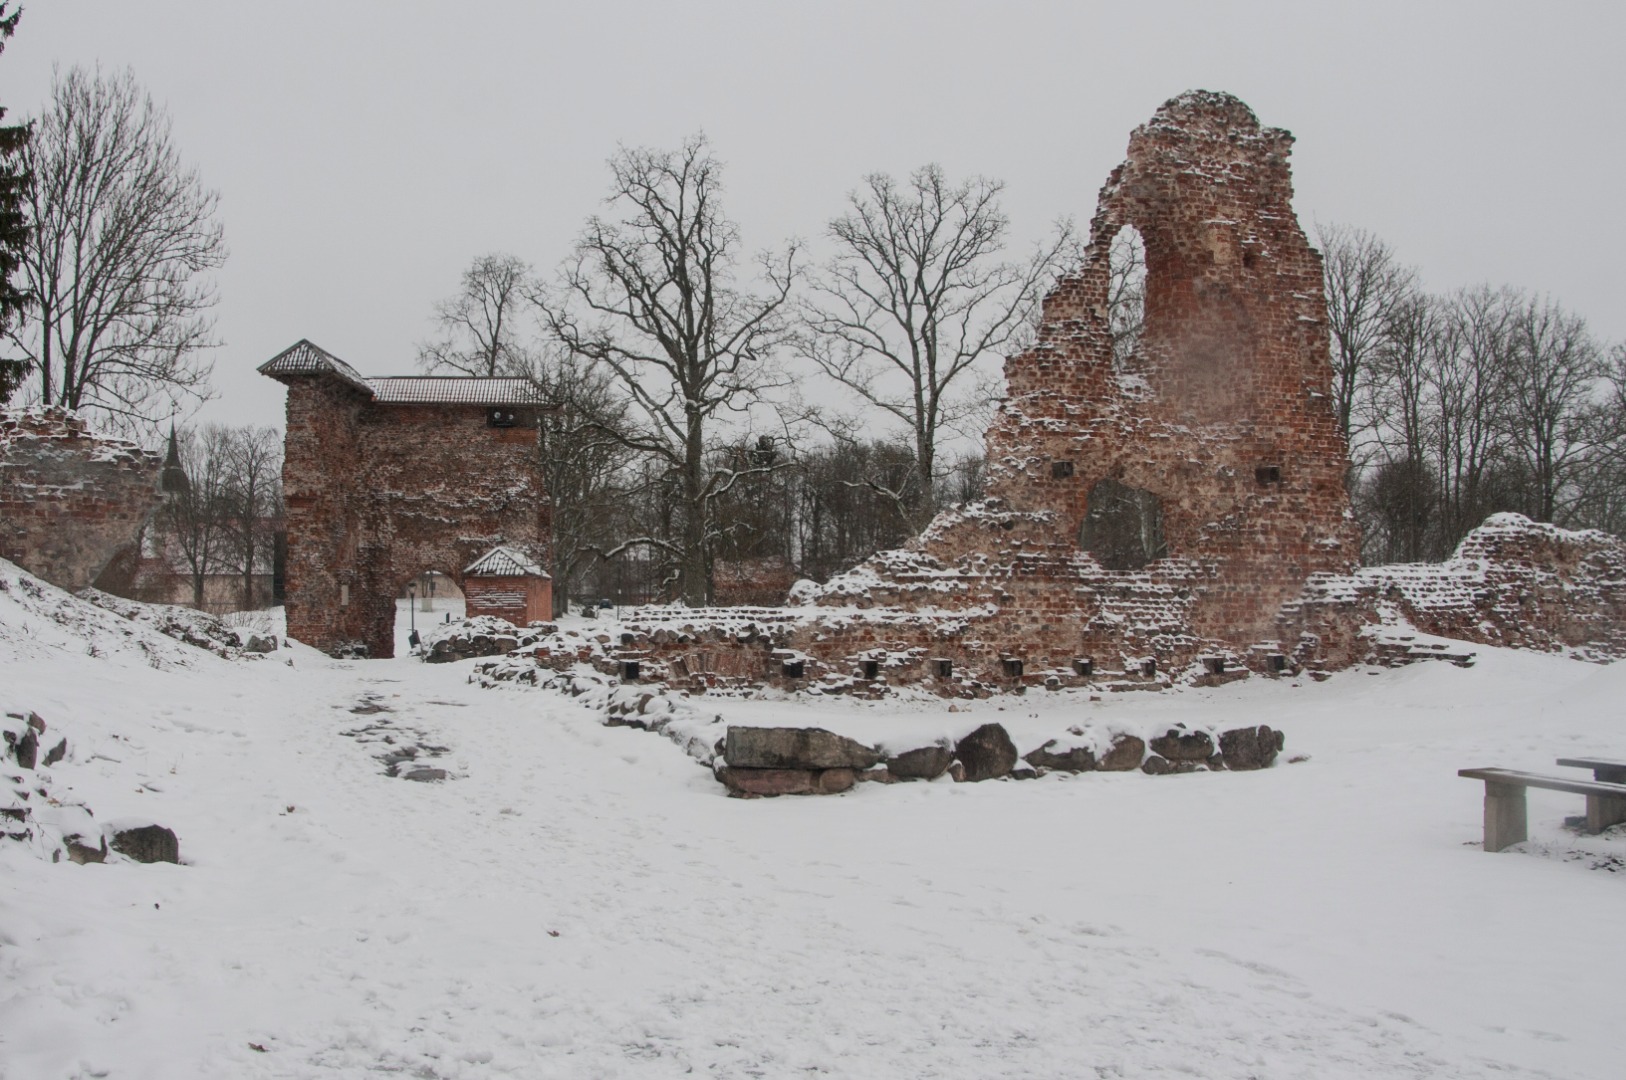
(749,781)
(795,748)
(146,843)
(1126,753)
(921,763)
(986,753)
(1178,744)
(1250,747)
(1053,756)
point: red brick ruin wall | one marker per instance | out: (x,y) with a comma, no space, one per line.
(378,493)
(1224,414)
(70,501)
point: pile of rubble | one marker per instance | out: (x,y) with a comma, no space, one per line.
(35,812)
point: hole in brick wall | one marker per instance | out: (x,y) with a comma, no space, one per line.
(1061,470)
(1215,665)
(629,671)
(1249,258)
(1123,527)
(1126,295)
(1276,662)
(1012,666)
(1148,667)
(1084,666)
(872,669)
(945,669)
(1268,474)
(792,669)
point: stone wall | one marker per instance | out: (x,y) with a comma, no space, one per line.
(71,501)
(378,493)
(1218,431)
(1511,582)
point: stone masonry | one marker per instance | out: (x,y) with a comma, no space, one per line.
(388,478)
(1215,442)
(1179,510)
(71,501)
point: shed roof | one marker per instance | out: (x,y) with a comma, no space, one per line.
(503,562)
(305,358)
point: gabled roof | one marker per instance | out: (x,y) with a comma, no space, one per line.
(464,390)
(304,358)
(503,562)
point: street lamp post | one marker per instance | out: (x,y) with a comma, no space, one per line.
(412,614)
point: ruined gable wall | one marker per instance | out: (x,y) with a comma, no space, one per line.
(1232,377)
(379,493)
(70,501)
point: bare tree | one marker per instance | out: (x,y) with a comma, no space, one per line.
(1556,371)
(193,523)
(1403,493)
(1469,384)
(481,326)
(915,296)
(586,466)
(1365,285)
(124,236)
(250,499)
(651,295)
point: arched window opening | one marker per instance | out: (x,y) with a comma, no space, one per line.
(1126,295)
(1123,527)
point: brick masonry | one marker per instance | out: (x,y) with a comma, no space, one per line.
(71,501)
(1223,414)
(380,492)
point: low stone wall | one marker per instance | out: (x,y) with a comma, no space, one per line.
(70,501)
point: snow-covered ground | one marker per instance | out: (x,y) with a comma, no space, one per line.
(583,901)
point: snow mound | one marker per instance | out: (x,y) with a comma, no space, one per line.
(39,620)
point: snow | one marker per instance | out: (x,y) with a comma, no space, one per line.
(583,901)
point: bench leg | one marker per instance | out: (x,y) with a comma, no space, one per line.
(1603,811)
(1504,816)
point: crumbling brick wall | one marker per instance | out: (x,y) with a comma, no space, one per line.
(1511,582)
(71,501)
(1221,420)
(378,493)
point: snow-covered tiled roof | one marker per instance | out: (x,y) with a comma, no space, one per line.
(503,562)
(463,390)
(304,358)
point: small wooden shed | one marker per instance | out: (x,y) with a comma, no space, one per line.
(505,583)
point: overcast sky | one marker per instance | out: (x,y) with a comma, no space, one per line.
(366,151)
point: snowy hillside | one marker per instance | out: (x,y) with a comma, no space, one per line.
(576,900)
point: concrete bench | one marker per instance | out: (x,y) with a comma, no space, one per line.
(1505,818)
(1603,770)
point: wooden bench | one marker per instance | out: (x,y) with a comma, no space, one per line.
(1505,818)
(1603,770)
